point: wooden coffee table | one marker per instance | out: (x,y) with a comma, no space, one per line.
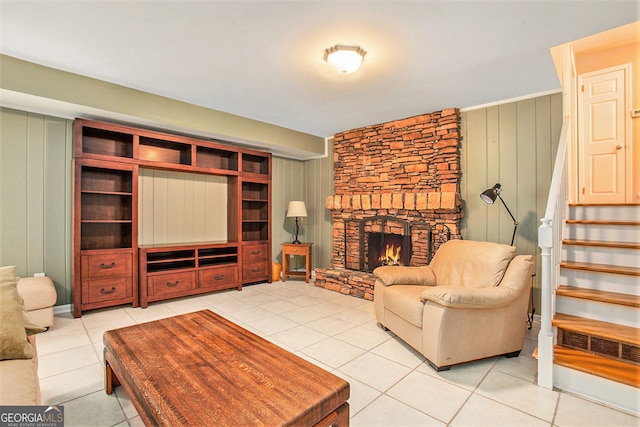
(201,369)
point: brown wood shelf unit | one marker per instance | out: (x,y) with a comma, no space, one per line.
(107,158)
(180,270)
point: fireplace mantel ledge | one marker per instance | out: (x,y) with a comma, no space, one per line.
(445,200)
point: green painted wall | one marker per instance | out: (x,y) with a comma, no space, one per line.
(35,195)
(514,144)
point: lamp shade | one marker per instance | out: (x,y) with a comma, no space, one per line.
(490,195)
(296,209)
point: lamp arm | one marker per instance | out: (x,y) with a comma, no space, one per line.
(510,214)
(515,223)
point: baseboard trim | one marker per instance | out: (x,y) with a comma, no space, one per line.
(61,309)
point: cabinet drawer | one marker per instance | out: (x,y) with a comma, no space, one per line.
(172,283)
(218,278)
(256,270)
(106,265)
(106,289)
(297,250)
(255,253)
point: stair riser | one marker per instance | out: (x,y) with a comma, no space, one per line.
(621,315)
(602,390)
(605,213)
(607,233)
(601,255)
(600,281)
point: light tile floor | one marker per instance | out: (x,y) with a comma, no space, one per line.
(391,384)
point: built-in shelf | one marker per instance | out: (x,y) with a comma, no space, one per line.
(180,270)
(212,158)
(106,143)
(255,164)
(157,150)
(107,158)
(106,207)
(255,211)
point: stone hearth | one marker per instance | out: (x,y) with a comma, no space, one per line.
(409,169)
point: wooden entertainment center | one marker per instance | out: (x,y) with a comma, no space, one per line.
(110,268)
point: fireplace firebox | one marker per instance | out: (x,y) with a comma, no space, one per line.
(387,249)
(381,240)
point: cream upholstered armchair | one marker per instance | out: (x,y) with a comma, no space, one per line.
(469,303)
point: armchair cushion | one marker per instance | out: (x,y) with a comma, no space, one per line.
(470,264)
(515,278)
(400,275)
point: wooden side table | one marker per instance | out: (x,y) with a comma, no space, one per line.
(302,249)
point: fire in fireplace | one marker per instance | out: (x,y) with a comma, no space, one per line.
(385,249)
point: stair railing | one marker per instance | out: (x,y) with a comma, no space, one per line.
(550,243)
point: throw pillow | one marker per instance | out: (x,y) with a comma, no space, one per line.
(13,336)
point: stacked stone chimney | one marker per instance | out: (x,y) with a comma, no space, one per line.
(409,169)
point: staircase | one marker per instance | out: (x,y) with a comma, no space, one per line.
(597,315)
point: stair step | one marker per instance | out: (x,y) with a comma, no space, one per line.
(602,222)
(597,310)
(625,212)
(602,243)
(602,205)
(601,254)
(601,268)
(601,296)
(618,283)
(610,331)
(625,373)
(610,231)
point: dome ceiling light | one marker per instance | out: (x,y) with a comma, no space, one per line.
(344,59)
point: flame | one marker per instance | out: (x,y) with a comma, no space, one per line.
(391,255)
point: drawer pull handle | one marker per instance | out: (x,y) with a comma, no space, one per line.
(256,252)
(173,284)
(255,270)
(218,276)
(106,266)
(110,291)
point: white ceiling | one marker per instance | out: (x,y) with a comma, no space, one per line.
(263,59)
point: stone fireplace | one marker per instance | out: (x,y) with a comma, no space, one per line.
(397,185)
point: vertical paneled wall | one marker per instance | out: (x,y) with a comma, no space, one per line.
(310,181)
(35,196)
(178,207)
(289,183)
(513,144)
(319,186)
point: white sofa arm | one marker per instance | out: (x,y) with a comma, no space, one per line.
(402,275)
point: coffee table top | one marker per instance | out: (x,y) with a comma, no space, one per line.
(201,369)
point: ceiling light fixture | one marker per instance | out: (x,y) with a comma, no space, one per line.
(344,59)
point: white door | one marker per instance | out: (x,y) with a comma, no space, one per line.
(602,102)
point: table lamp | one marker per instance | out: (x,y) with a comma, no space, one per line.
(296,209)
